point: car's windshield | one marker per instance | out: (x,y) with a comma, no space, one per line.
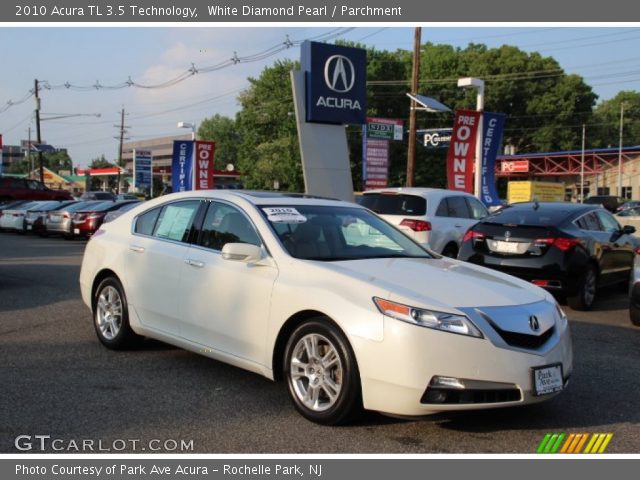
(330,233)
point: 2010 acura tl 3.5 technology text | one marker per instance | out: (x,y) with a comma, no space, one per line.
(347,310)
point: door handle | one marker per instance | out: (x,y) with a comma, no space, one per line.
(136,248)
(194,263)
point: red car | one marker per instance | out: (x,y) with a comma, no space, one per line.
(26,189)
(85,222)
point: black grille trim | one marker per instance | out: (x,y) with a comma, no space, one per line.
(447,396)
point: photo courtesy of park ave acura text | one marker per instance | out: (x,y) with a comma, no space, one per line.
(300,239)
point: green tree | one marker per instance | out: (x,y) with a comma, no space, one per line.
(268,151)
(605,129)
(222,130)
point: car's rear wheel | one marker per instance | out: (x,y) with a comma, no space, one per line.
(583,300)
(451,251)
(111,316)
(322,373)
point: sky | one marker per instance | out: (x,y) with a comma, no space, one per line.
(608,59)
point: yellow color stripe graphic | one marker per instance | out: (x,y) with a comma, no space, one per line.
(605,443)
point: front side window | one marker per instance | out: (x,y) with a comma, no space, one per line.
(226,224)
(175,220)
(478,210)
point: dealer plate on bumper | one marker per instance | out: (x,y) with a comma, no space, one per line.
(547,379)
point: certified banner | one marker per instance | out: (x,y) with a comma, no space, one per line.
(461,154)
(182,165)
(142,165)
(493,127)
(204,165)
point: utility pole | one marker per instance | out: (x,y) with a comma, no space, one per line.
(29,159)
(38,135)
(620,151)
(415,74)
(123,131)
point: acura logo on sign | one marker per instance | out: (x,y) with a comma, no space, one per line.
(339,73)
(533,323)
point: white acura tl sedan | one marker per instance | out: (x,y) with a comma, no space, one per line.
(328,297)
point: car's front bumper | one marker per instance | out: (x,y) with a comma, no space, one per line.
(396,372)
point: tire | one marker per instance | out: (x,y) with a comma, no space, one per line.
(111,316)
(583,300)
(451,251)
(337,397)
(634,305)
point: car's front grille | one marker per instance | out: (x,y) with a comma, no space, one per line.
(523,340)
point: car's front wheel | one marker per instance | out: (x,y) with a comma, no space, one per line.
(322,373)
(111,316)
(583,300)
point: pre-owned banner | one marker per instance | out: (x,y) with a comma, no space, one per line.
(182,165)
(461,154)
(204,165)
(492,127)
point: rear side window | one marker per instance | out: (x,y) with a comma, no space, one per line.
(174,222)
(146,222)
(394,204)
(589,222)
(458,207)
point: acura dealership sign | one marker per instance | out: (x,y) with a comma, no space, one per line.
(335,79)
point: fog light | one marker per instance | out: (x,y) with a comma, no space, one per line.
(435,396)
(447,382)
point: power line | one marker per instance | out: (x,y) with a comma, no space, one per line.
(193,70)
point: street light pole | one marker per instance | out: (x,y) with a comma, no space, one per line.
(478,84)
(620,150)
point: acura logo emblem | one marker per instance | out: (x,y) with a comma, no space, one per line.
(339,73)
(507,235)
(533,323)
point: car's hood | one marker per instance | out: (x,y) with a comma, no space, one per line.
(440,282)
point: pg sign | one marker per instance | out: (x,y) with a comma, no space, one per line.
(335,83)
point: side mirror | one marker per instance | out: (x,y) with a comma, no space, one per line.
(241,252)
(628,230)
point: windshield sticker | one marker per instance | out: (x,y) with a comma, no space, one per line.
(284,215)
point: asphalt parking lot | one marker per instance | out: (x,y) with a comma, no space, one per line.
(56,379)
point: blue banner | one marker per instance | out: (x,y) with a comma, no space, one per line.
(492,129)
(182,165)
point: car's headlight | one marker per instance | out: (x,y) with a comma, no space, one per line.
(447,322)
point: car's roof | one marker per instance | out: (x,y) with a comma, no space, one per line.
(260,197)
(421,191)
(555,206)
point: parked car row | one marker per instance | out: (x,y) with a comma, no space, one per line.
(68,218)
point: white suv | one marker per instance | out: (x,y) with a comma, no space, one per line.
(436,218)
